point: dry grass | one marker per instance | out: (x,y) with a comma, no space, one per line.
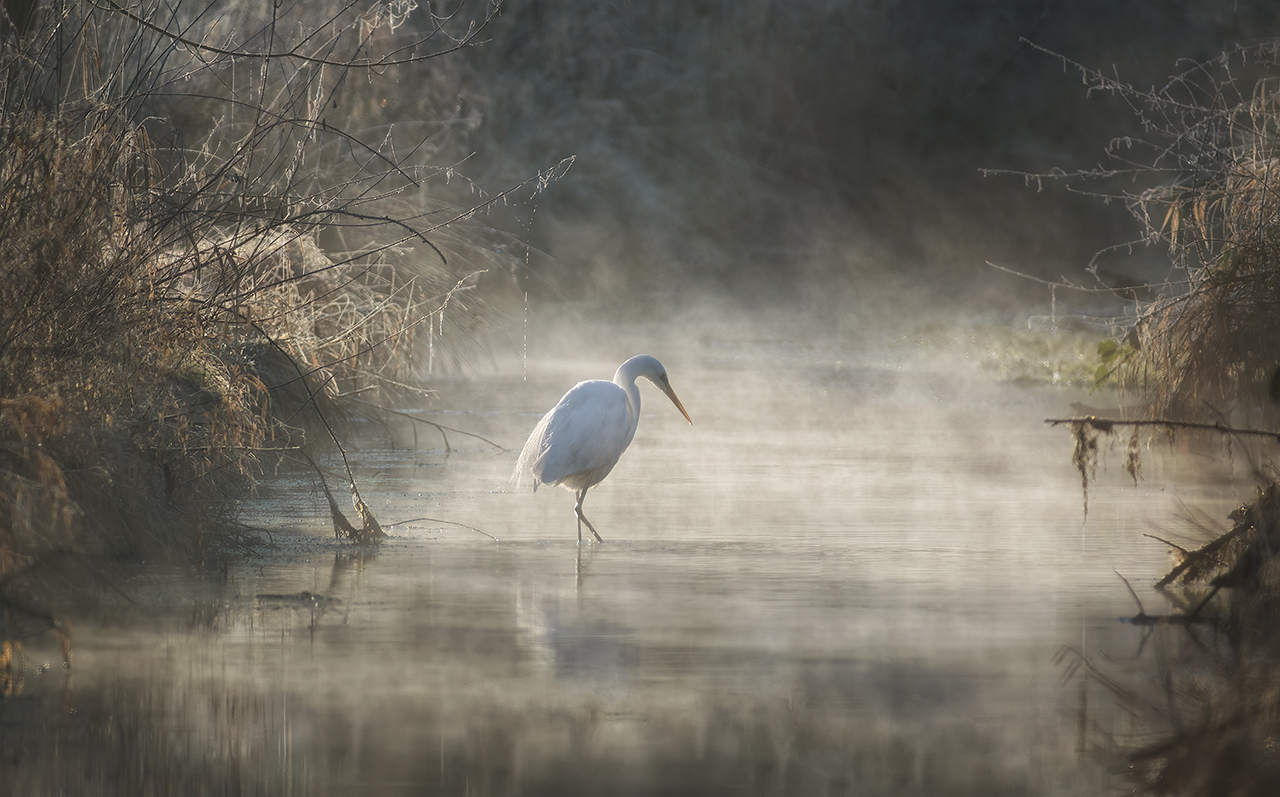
(1202,180)
(173,316)
(1218,344)
(117,406)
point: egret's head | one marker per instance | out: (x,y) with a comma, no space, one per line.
(642,365)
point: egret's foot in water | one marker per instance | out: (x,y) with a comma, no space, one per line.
(577,510)
(582,519)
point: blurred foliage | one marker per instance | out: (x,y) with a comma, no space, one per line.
(1113,356)
(1062,358)
(723,144)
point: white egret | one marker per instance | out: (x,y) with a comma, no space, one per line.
(578,442)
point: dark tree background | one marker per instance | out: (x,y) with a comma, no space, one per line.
(727,143)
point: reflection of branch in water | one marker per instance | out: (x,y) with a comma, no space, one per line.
(1147,620)
(1128,698)
(347,562)
(1207,715)
(344,564)
(317,605)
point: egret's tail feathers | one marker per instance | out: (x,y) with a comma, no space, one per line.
(528,467)
(522,477)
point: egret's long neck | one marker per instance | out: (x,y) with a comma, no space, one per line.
(626,380)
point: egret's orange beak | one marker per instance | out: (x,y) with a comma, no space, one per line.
(671,394)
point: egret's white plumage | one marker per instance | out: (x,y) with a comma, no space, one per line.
(578,442)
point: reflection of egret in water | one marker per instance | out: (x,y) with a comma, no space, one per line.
(566,636)
(565,643)
(578,442)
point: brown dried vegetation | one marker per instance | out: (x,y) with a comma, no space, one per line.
(169,323)
(1205,355)
(1218,344)
(1208,345)
(122,425)
(1202,182)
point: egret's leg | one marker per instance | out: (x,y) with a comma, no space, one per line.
(577,510)
(577,507)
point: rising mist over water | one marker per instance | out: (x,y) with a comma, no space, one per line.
(856,573)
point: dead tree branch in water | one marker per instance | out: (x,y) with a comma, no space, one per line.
(370,531)
(1107,424)
(1234,555)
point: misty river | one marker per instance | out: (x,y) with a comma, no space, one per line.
(854,574)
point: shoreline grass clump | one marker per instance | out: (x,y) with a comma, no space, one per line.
(1203,357)
(180,309)
(1202,182)
(115,408)
(1216,347)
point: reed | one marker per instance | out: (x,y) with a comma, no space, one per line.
(180,306)
(1201,180)
(1217,344)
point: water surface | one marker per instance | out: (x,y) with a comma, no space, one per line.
(850,576)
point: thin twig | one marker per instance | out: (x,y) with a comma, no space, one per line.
(294,54)
(1174,545)
(1106,424)
(1142,612)
(439,520)
(438,426)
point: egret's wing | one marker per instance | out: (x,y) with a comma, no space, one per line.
(585,433)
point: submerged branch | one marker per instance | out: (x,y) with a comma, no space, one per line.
(441,520)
